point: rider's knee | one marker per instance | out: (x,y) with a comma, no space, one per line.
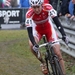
(60,59)
(59,55)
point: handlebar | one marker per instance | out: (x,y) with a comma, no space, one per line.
(50,43)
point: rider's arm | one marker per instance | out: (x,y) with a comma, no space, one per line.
(28,24)
(59,26)
(30,34)
(53,14)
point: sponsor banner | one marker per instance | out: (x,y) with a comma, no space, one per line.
(10,16)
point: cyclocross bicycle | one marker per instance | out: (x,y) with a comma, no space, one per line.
(51,58)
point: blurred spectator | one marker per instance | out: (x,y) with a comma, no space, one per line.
(64,8)
(1,4)
(14,3)
(11,3)
(72,9)
(54,3)
(73,1)
(25,5)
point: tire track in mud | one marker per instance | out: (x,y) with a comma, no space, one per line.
(4,46)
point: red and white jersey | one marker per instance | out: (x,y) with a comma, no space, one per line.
(41,23)
(43,17)
(46,1)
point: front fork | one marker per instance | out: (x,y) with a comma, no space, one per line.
(46,59)
(49,60)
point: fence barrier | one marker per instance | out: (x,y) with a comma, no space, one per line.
(69,27)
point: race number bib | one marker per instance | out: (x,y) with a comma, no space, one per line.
(52,13)
(28,22)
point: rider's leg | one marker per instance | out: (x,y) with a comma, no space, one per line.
(58,53)
(31,48)
(43,64)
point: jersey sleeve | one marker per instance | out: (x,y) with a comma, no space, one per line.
(53,13)
(51,10)
(28,21)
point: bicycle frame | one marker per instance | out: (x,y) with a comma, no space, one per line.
(51,57)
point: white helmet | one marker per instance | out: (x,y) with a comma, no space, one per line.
(36,2)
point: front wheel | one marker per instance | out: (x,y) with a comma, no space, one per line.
(58,68)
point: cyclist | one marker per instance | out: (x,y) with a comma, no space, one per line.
(38,23)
